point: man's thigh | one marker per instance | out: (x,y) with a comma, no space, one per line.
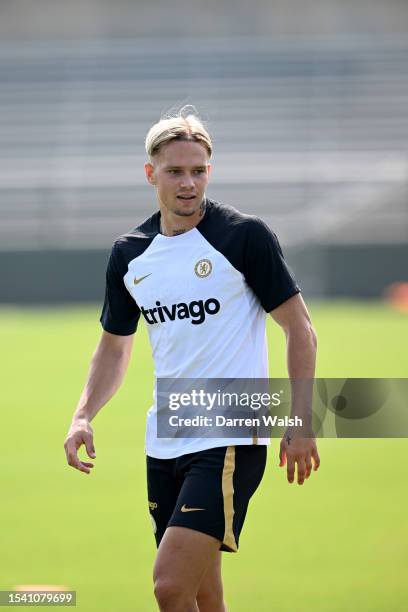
(184,557)
(210,593)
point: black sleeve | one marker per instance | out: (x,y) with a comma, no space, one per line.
(120,313)
(265,268)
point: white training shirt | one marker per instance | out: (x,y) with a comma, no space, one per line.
(204,295)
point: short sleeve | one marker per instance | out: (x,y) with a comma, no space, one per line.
(120,313)
(265,268)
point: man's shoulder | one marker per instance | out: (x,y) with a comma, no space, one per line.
(226,212)
(147,230)
(134,242)
(225,217)
(238,236)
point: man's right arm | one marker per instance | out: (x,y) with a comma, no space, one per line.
(108,367)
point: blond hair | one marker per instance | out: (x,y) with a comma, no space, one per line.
(185,125)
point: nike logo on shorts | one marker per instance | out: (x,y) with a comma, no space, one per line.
(185,509)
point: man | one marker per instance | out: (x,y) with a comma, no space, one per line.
(203,275)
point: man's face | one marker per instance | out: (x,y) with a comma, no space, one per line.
(180,173)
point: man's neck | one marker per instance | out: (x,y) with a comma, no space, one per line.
(174,225)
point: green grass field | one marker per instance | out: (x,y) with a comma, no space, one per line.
(338,543)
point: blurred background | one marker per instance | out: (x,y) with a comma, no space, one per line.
(307,103)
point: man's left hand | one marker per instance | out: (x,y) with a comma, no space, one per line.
(300,451)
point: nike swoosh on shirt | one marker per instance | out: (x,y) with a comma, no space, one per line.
(185,509)
(139,280)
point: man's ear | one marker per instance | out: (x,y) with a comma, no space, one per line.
(149,171)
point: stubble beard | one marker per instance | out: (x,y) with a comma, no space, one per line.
(187,213)
(184,213)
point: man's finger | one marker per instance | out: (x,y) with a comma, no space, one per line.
(70,450)
(282,455)
(316,458)
(74,461)
(85,467)
(89,445)
(308,465)
(81,465)
(301,470)
(291,468)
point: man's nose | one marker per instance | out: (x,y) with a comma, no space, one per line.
(187,181)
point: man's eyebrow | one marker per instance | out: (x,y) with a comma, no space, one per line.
(171,167)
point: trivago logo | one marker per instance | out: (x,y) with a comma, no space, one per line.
(196,311)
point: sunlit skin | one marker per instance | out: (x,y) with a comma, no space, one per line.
(181,168)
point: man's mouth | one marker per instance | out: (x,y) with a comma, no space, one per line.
(186,197)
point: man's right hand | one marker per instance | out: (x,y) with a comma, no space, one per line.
(80,433)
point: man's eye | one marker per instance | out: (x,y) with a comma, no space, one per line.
(200,171)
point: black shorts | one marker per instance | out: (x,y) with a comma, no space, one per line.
(208,491)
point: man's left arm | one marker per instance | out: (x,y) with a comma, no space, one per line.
(301,345)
